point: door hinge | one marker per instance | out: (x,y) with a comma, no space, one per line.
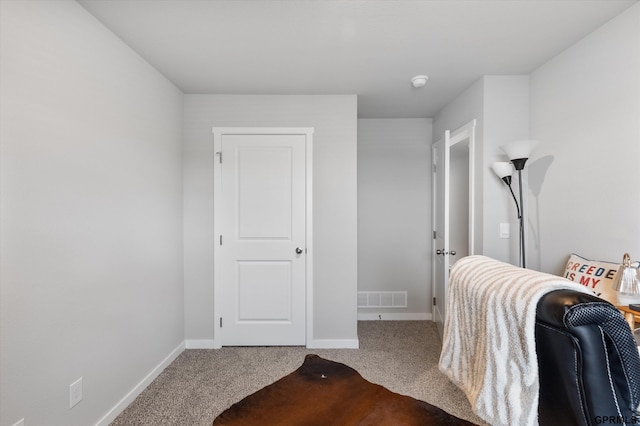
(434,304)
(221,239)
(219,154)
(220,322)
(434,235)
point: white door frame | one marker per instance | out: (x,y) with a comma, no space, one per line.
(217,186)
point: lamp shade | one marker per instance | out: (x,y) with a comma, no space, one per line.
(502,169)
(519,151)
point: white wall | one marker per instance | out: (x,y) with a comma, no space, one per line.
(394,213)
(334,203)
(585,110)
(91,215)
(500,104)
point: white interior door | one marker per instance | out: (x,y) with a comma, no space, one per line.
(453,201)
(440,206)
(261,248)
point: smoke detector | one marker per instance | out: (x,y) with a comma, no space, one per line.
(419,80)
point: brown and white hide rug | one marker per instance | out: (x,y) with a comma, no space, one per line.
(323,392)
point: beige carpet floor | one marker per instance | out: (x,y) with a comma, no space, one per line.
(200,384)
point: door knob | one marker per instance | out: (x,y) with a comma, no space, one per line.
(439,251)
(298,250)
(452,252)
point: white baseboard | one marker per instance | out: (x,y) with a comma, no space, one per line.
(333,344)
(200,344)
(133,393)
(385,316)
(313,344)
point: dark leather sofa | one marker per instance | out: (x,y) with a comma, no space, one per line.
(588,362)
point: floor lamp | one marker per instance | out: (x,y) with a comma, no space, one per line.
(518,153)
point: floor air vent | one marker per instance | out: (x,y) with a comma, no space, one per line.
(382,299)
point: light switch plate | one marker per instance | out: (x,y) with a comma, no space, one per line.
(505,230)
(75,392)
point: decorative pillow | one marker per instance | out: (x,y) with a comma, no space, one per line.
(595,274)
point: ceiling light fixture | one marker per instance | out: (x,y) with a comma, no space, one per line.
(419,80)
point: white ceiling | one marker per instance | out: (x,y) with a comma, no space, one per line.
(371,48)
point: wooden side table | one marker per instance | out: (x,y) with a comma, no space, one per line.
(630,316)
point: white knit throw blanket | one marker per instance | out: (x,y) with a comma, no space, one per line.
(489,346)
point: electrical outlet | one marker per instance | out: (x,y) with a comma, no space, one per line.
(75,392)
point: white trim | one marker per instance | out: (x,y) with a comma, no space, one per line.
(309,232)
(217,147)
(333,344)
(146,381)
(217,211)
(386,316)
(200,344)
(263,130)
(433,222)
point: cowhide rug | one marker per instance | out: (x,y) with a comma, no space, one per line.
(323,392)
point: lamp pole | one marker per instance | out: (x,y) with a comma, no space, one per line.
(518,164)
(521,217)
